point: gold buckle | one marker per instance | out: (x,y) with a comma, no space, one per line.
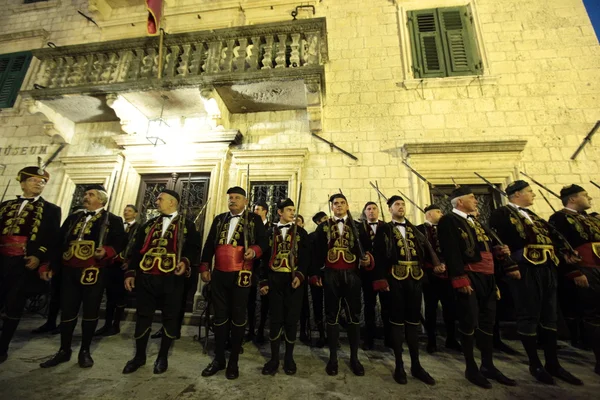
(244,278)
(89,276)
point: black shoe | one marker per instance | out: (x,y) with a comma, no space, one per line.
(61,357)
(388,343)
(3,357)
(597,369)
(289,367)
(250,336)
(55,331)
(368,345)
(357,368)
(498,376)
(44,329)
(241,349)
(565,375)
(332,368)
(422,375)
(158,334)
(213,368)
(453,344)
(506,349)
(102,331)
(85,359)
(321,342)
(260,338)
(161,365)
(400,375)
(304,338)
(270,368)
(541,375)
(133,365)
(431,347)
(476,378)
(232,371)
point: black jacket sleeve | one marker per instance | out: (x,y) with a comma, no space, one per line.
(45,247)
(451,250)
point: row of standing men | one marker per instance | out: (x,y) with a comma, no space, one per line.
(342,257)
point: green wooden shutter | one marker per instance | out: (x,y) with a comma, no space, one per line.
(13,68)
(458,37)
(427,52)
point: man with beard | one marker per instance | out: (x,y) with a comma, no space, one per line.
(581,280)
(399,256)
(235,240)
(469,256)
(28,227)
(90,240)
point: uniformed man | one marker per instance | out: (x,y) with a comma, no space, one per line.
(261,208)
(157,276)
(28,227)
(316,292)
(583,278)
(469,256)
(90,240)
(533,281)
(336,246)
(369,226)
(437,287)
(281,279)
(115,275)
(399,257)
(236,238)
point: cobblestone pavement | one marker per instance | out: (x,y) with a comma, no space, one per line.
(22,379)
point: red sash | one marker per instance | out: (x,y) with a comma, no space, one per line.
(485,266)
(588,256)
(13,246)
(229,258)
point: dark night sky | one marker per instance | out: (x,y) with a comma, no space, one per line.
(593,9)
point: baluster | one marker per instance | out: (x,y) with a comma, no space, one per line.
(228,56)
(311,54)
(254,53)
(240,61)
(147,67)
(214,57)
(136,65)
(267,60)
(98,66)
(125,58)
(183,68)
(280,61)
(172,61)
(66,72)
(47,71)
(76,76)
(199,59)
(295,54)
(109,70)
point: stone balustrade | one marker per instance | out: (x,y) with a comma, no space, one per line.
(285,49)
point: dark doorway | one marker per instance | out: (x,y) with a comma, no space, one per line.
(488,200)
(271,193)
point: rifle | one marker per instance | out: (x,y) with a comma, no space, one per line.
(411,202)
(431,185)
(5,190)
(294,249)
(540,185)
(182,219)
(552,227)
(434,257)
(595,184)
(53,156)
(547,201)
(246,212)
(105,220)
(197,219)
(356,234)
(380,203)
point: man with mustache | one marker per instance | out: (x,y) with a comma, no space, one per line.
(28,227)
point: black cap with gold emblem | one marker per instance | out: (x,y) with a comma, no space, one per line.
(285,203)
(515,186)
(460,191)
(29,172)
(236,190)
(570,190)
(394,199)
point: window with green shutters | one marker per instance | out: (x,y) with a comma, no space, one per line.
(443,43)
(13,68)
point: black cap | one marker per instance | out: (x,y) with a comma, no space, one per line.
(95,187)
(263,204)
(318,216)
(515,186)
(394,199)
(28,172)
(236,190)
(460,191)
(337,196)
(570,190)
(432,207)
(172,193)
(369,203)
(285,203)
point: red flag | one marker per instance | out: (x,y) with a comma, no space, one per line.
(154,14)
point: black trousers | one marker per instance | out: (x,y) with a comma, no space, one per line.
(535,296)
(316,294)
(115,288)
(286,305)
(370,304)
(436,290)
(230,301)
(341,288)
(152,292)
(477,310)
(405,301)
(74,295)
(16,283)
(264,308)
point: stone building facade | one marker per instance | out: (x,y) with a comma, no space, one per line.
(246,83)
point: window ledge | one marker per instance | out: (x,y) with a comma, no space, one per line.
(452,81)
(19,8)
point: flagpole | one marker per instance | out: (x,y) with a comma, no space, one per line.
(160,52)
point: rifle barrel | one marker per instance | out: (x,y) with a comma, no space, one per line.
(411,202)
(540,185)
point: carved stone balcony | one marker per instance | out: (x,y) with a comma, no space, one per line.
(270,67)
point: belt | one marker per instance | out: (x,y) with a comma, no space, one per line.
(13,246)
(485,266)
(157,258)
(229,258)
(80,254)
(403,269)
(538,254)
(590,254)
